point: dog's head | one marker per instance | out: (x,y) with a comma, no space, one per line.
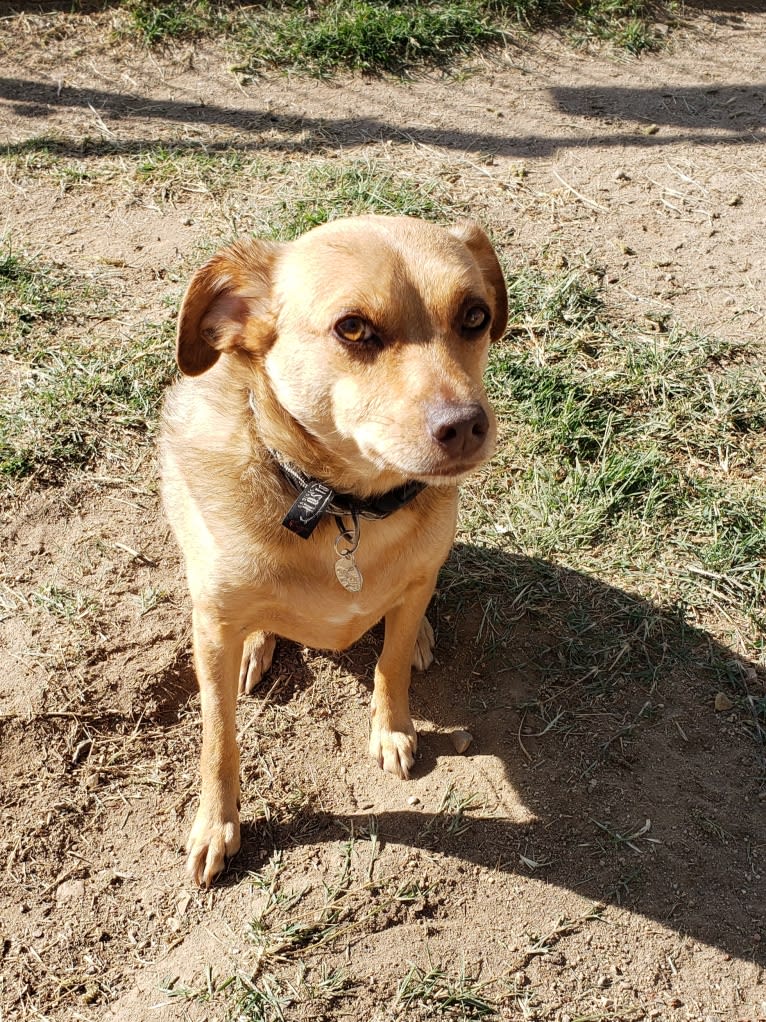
(370,333)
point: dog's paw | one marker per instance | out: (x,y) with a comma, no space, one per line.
(257,655)
(423,651)
(210,844)
(394,748)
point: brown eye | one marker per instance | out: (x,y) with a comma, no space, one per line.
(353,329)
(476,318)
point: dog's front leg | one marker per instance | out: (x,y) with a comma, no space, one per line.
(215,833)
(393,739)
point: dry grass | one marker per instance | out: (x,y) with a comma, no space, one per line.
(608,583)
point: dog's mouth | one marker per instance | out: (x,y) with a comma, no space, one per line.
(449,475)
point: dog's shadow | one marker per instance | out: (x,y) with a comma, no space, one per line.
(639,786)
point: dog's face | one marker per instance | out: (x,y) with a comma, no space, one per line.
(372,334)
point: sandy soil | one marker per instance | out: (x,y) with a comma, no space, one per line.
(612,868)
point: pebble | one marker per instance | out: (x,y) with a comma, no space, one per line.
(70,890)
(461,740)
(413,800)
(722,702)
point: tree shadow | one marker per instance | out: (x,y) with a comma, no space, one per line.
(709,115)
(12,7)
(725,6)
(600,706)
(700,108)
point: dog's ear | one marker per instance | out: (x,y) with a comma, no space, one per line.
(228,305)
(480,247)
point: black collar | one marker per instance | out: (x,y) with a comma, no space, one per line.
(316,499)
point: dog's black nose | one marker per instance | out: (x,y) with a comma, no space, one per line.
(458,429)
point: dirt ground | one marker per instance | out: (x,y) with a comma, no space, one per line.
(612,868)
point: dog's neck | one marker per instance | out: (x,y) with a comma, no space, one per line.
(317,498)
(341,504)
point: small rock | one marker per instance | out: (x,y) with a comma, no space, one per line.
(413,800)
(70,890)
(722,702)
(735,200)
(461,740)
(651,129)
(622,175)
(182,904)
(174,924)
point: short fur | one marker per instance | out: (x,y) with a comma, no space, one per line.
(268,369)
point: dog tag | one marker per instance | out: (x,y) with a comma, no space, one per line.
(349,576)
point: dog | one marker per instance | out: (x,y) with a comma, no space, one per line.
(331,401)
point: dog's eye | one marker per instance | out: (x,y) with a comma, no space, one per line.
(354,329)
(476,318)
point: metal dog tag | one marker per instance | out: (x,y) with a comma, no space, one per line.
(347,573)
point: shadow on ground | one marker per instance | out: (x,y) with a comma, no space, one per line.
(704,115)
(600,708)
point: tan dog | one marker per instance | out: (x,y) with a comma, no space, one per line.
(348,363)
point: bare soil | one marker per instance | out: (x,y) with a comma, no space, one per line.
(607,867)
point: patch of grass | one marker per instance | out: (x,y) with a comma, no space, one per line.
(627,24)
(195,169)
(29,296)
(270,999)
(66,397)
(330,190)
(174,19)
(432,988)
(171,172)
(67,604)
(339,36)
(623,449)
(351,901)
(359,35)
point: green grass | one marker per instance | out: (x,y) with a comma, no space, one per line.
(359,35)
(174,19)
(443,996)
(331,189)
(373,36)
(169,172)
(67,398)
(633,454)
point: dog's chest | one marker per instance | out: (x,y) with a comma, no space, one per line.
(306,600)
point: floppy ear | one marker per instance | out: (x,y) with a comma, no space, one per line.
(480,247)
(228,305)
